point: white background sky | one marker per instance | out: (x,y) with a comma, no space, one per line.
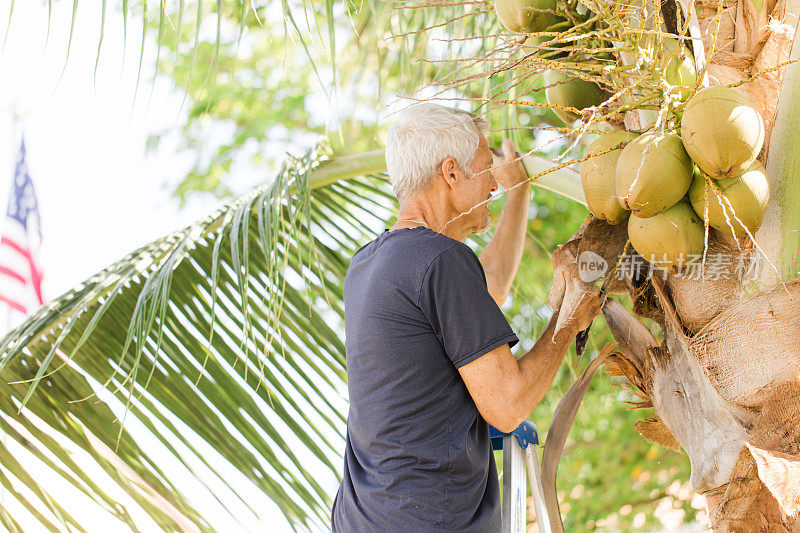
(100,196)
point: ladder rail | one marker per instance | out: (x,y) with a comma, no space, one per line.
(535,480)
(514,487)
(519,459)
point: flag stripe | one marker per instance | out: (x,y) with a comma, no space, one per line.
(16,247)
(36,278)
(35,274)
(17,292)
(13,304)
(13,261)
(12,274)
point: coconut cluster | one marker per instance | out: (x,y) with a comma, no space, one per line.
(669,186)
(562,89)
(668,60)
(695,169)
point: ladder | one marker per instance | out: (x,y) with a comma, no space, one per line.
(518,456)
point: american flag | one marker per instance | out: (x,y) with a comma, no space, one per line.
(20,273)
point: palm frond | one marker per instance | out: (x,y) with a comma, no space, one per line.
(221,330)
(221,343)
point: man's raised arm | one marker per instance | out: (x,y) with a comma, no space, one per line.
(500,259)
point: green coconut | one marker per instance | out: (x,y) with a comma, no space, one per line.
(527,16)
(597,176)
(541,45)
(722,131)
(742,198)
(568,91)
(679,70)
(670,238)
(647,184)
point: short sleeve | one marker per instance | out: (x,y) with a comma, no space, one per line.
(455,299)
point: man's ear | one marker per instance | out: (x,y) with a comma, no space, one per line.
(450,171)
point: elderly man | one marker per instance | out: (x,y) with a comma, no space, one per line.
(428,349)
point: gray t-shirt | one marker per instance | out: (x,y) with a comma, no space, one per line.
(418,454)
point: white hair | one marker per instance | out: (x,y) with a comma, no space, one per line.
(422,137)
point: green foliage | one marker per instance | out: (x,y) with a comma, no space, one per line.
(278,77)
(265,84)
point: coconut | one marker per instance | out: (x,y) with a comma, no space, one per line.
(542,46)
(679,70)
(526,16)
(568,91)
(722,131)
(649,183)
(597,176)
(742,198)
(670,238)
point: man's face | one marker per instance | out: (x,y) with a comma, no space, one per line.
(477,189)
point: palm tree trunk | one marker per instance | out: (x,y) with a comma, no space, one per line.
(779,235)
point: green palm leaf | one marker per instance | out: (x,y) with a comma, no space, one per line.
(226,335)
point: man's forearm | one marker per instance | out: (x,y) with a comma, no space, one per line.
(539,366)
(501,257)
